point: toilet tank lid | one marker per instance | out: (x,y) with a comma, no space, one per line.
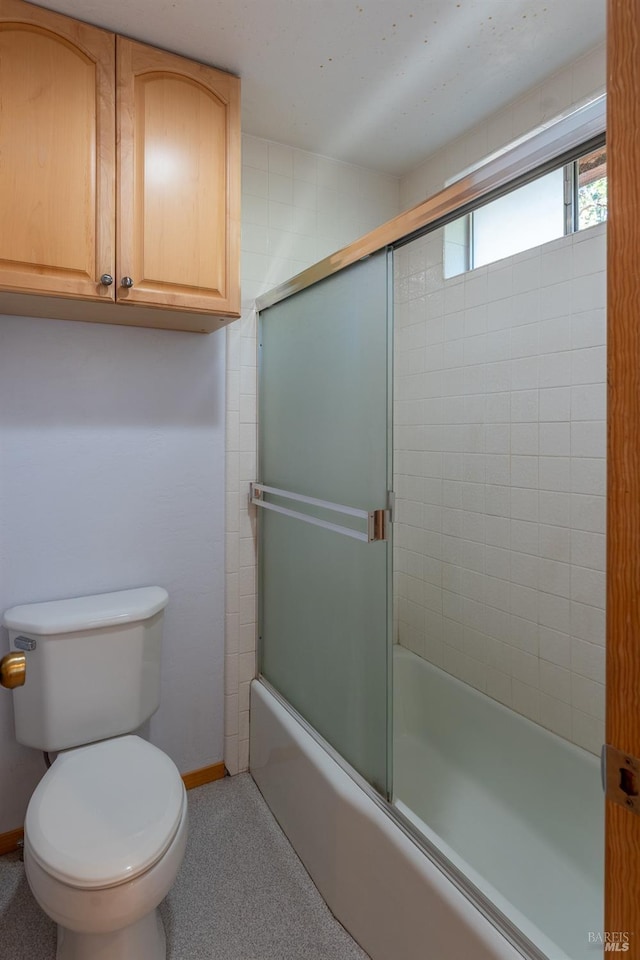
(86,613)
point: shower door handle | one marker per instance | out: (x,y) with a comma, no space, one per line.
(377,521)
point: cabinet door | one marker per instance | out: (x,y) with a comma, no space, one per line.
(178,182)
(57,153)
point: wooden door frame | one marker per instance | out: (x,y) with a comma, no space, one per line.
(622,870)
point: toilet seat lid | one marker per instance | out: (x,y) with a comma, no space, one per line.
(105,813)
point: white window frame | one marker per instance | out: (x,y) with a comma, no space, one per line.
(463,250)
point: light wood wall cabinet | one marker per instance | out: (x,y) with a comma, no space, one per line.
(146,233)
(57,153)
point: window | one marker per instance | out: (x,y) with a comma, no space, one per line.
(525,218)
(591,189)
(563,201)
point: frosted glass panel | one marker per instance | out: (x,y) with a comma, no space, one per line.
(324,606)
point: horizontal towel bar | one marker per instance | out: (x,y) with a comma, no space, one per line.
(312,501)
(376,519)
(337,528)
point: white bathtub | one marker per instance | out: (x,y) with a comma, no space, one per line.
(518,809)
(375,879)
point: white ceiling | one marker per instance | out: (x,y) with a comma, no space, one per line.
(380,83)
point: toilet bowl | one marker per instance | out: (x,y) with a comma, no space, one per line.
(105,835)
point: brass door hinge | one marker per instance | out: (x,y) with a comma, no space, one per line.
(621,777)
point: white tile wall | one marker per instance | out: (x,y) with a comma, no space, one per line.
(509,371)
(297,208)
(500,475)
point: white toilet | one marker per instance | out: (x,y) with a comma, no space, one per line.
(106,827)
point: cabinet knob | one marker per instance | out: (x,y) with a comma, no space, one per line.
(106,279)
(126,282)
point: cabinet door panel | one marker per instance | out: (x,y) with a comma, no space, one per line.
(57,153)
(178,227)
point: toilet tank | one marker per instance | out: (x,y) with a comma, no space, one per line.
(94,668)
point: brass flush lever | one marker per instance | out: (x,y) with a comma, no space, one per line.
(13,670)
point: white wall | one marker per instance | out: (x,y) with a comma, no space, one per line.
(297,209)
(112,476)
(572,85)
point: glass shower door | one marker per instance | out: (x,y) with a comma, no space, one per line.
(325,467)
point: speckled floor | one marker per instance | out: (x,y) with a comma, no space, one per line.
(242,893)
